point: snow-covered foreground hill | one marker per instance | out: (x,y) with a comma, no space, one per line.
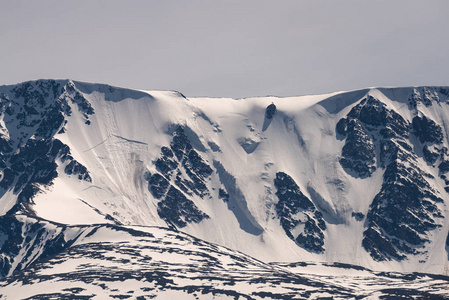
(134,262)
(351,177)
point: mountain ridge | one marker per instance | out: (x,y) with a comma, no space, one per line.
(306,182)
(112,261)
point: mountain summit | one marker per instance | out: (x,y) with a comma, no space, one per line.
(358,177)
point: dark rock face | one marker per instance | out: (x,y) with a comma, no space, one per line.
(158,185)
(270,111)
(180,158)
(425,96)
(401,214)
(429,155)
(358,216)
(405,209)
(31,238)
(367,126)
(294,209)
(444,166)
(77,98)
(223,195)
(75,168)
(358,153)
(192,163)
(427,130)
(430,135)
(177,210)
(34,112)
(342,127)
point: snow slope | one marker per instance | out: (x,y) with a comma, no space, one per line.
(129,143)
(135,262)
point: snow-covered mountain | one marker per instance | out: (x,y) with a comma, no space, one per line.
(346,178)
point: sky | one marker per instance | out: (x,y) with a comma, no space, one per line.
(227,48)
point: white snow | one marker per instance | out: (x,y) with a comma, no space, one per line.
(129,128)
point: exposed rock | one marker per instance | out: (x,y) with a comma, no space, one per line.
(36,111)
(342,126)
(180,158)
(444,167)
(77,97)
(177,210)
(425,96)
(75,168)
(427,130)
(223,195)
(404,211)
(358,153)
(295,210)
(429,155)
(28,240)
(363,125)
(358,216)
(158,185)
(270,111)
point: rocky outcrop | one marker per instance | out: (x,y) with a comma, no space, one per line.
(270,111)
(424,96)
(427,130)
(404,211)
(298,214)
(33,114)
(180,158)
(358,153)
(26,240)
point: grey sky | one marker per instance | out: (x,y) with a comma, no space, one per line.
(228,48)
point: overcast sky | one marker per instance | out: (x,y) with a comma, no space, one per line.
(228,48)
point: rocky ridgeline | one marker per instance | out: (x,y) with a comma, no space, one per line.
(33,114)
(428,96)
(405,210)
(29,240)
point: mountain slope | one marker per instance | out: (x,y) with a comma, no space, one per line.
(354,177)
(111,261)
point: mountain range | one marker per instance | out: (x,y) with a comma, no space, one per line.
(120,193)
